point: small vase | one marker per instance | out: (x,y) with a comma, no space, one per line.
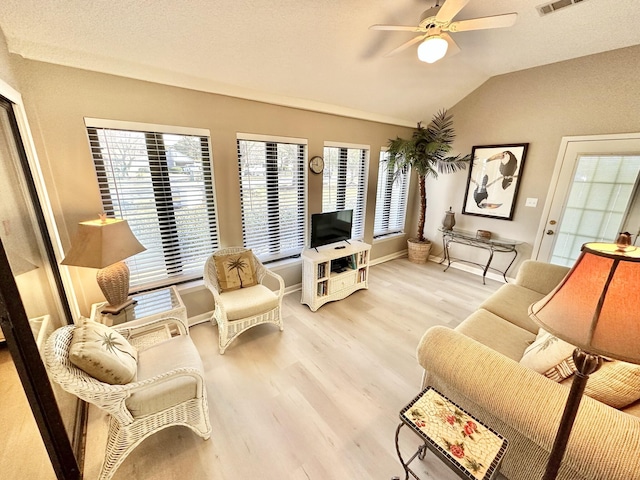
(449,220)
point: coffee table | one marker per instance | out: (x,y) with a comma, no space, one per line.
(471,449)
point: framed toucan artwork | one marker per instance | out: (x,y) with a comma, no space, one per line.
(494,179)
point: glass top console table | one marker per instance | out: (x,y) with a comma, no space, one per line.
(151,305)
(492,245)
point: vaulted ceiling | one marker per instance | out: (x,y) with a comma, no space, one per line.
(314,54)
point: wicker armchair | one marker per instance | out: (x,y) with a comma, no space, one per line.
(169,389)
(239,310)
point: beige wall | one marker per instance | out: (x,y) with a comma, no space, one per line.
(598,94)
(6,69)
(58,98)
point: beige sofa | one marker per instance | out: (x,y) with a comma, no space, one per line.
(476,365)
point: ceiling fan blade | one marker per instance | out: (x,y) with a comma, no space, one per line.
(453,47)
(497,21)
(405,45)
(401,28)
(449,9)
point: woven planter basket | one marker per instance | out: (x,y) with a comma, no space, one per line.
(418,252)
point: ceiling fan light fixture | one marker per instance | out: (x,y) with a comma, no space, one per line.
(432,49)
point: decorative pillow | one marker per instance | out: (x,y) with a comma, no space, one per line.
(235,270)
(615,383)
(550,356)
(103,353)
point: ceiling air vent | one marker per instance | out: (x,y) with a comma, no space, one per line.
(551,7)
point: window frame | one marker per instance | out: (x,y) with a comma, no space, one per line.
(172,264)
(342,177)
(390,179)
(272,181)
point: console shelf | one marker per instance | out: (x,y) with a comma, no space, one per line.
(331,273)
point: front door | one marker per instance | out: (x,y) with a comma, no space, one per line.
(592,197)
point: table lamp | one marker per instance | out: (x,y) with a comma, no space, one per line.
(596,308)
(103,244)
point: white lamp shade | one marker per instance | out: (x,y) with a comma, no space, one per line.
(432,49)
(596,307)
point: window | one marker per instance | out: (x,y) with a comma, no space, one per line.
(391,199)
(272,190)
(160,179)
(344,182)
(599,200)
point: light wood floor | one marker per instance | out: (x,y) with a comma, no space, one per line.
(319,401)
(22,451)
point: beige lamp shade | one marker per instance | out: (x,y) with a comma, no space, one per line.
(103,244)
(597,305)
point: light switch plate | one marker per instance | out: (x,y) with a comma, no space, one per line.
(531,202)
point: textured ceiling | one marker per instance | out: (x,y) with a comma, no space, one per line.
(315,54)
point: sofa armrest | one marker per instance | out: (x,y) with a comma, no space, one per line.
(532,405)
(540,276)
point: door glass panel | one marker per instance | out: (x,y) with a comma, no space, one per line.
(601,192)
(34,276)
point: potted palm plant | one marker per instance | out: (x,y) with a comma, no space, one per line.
(427,154)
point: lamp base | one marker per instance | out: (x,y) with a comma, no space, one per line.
(586,364)
(114,310)
(114,283)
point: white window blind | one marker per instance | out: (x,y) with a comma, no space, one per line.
(344,182)
(272,195)
(162,184)
(391,199)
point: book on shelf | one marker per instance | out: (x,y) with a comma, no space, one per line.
(321,270)
(362,275)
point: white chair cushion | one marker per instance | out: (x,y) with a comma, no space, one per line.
(103,353)
(177,352)
(248,302)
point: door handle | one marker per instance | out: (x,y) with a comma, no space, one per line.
(550,232)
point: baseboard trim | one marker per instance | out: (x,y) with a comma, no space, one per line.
(197,319)
(387,258)
(475,270)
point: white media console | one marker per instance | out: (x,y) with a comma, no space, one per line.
(331,273)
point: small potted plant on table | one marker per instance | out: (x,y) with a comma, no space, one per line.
(426,153)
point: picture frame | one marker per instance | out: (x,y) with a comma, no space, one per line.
(494,178)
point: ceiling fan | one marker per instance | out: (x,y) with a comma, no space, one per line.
(434,25)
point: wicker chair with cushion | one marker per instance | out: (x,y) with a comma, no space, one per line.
(236,279)
(167,385)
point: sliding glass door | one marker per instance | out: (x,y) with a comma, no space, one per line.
(32,304)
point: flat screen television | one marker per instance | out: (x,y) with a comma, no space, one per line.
(330,227)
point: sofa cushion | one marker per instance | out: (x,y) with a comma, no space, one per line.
(633,409)
(615,383)
(235,270)
(103,353)
(492,331)
(155,361)
(248,302)
(511,302)
(550,356)
(540,277)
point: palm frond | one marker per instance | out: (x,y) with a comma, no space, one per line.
(452,164)
(427,153)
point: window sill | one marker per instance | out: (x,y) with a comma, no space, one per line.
(391,236)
